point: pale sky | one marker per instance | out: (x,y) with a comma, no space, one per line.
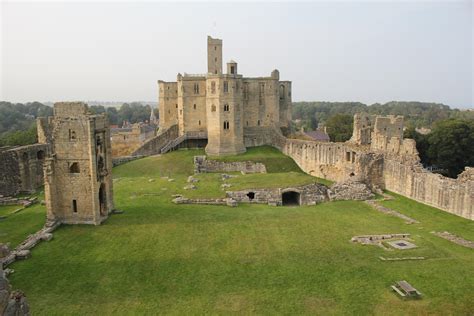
(375,51)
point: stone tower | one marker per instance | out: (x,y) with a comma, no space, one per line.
(225,113)
(78,176)
(214,56)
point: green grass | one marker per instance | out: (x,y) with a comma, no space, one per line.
(6,210)
(16,227)
(271,157)
(159,257)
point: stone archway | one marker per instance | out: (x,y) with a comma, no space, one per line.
(290,198)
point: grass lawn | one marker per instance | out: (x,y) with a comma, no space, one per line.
(6,210)
(159,257)
(16,227)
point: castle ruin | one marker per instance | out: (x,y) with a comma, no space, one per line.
(78,172)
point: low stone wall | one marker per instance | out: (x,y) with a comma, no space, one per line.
(310,194)
(202,165)
(121,160)
(22,251)
(350,191)
(154,145)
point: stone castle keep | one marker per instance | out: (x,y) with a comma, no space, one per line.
(223,105)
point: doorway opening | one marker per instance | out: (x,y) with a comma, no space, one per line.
(102,200)
(290,198)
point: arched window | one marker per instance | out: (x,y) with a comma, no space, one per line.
(40,155)
(213,108)
(194,106)
(258,122)
(226,108)
(226,125)
(213,86)
(196,88)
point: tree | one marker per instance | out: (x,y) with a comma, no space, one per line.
(451,145)
(339,127)
(422,144)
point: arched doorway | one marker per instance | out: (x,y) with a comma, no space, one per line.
(102,200)
(290,198)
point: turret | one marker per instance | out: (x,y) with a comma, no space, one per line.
(214,56)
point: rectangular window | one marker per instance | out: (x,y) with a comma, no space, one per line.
(72,135)
(226,86)
(74,167)
(232,70)
(213,87)
(196,88)
(74,206)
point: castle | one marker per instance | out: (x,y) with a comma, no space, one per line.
(223,105)
(226,113)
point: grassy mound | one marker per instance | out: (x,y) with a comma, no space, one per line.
(159,257)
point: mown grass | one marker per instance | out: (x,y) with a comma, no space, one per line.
(159,257)
(15,227)
(6,210)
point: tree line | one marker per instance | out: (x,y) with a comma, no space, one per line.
(18,121)
(417,114)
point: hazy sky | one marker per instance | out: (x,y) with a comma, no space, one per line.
(332,51)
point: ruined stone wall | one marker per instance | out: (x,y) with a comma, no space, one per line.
(21,168)
(334,161)
(409,179)
(310,194)
(202,165)
(392,164)
(127,140)
(154,145)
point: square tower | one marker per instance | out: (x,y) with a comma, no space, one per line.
(214,56)
(78,176)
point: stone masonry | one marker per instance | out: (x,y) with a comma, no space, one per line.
(78,173)
(223,104)
(202,165)
(21,168)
